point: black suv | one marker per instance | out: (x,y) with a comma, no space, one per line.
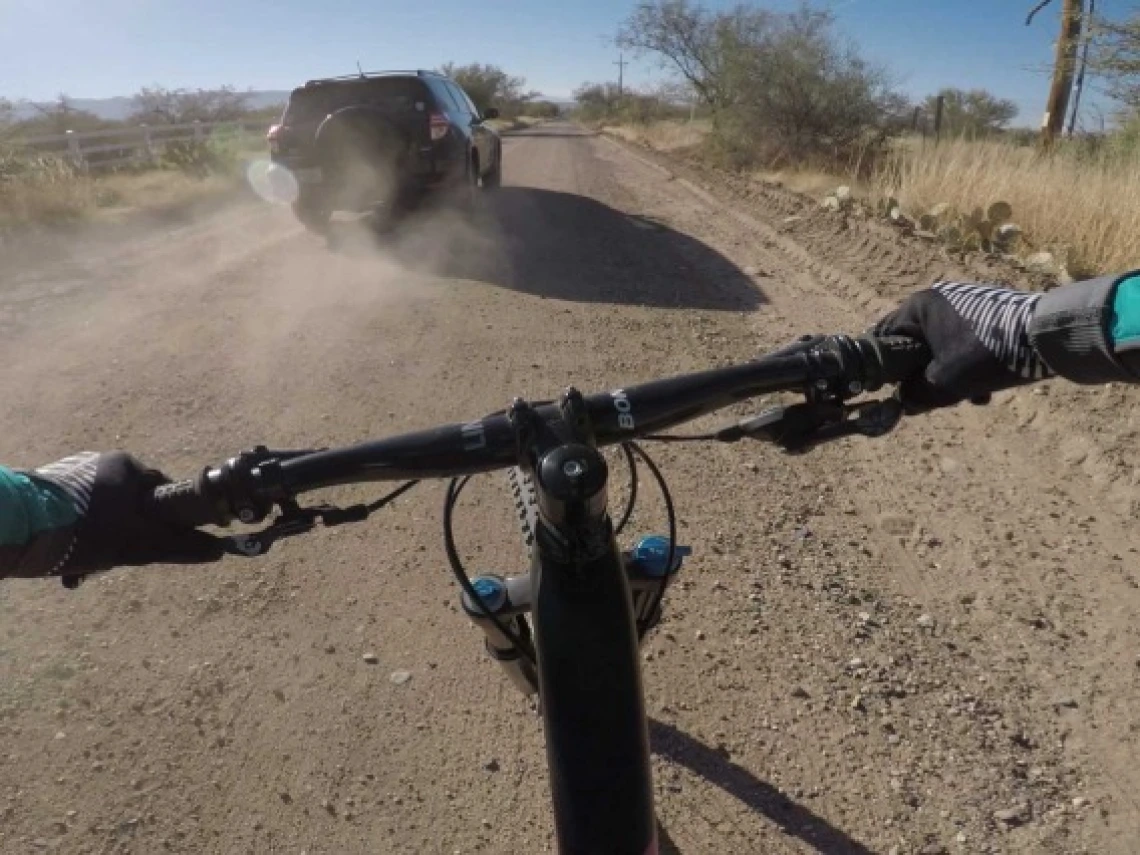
(383,139)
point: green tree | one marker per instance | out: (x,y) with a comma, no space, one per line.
(1116,59)
(57,117)
(604,101)
(596,100)
(971,113)
(783,86)
(490,86)
(542,109)
(709,50)
(159,105)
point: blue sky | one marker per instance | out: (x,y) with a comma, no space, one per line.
(112,47)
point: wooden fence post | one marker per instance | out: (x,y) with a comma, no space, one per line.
(938,117)
(148,142)
(74,150)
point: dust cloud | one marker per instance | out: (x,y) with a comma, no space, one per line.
(317,293)
(120,318)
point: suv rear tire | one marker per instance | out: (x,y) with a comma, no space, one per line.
(312,215)
(464,193)
(493,178)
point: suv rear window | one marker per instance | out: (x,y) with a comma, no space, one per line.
(313,103)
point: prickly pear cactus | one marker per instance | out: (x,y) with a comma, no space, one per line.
(999,213)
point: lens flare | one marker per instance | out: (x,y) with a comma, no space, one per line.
(272,182)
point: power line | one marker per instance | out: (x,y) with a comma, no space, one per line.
(1035,10)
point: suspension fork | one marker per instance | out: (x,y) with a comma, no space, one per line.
(509,600)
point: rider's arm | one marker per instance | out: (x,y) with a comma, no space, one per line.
(1089,332)
(88,513)
(37,524)
(985,338)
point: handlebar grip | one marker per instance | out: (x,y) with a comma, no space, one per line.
(184,504)
(900,357)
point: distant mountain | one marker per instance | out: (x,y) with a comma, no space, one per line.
(558,99)
(119,107)
(112,109)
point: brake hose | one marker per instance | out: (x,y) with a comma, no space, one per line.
(667,497)
(632,500)
(454,488)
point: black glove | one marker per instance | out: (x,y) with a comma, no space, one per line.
(978,336)
(113,528)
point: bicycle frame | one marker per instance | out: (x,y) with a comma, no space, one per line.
(585,635)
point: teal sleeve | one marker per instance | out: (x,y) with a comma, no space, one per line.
(1124,325)
(29,506)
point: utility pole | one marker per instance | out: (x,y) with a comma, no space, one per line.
(1079,86)
(1057,107)
(621,64)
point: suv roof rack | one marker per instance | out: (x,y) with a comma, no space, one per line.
(364,75)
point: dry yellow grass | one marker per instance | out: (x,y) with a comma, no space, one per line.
(1083,207)
(674,135)
(669,135)
(51,193)
(157,190)
(1086,209)
(54,193)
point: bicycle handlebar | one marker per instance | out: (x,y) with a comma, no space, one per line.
(246,487)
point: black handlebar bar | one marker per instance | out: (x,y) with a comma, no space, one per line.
(898,358)
(247,487)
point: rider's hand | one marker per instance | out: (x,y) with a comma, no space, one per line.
(978,336)
(113,527)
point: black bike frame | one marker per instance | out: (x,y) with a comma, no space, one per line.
(589,675)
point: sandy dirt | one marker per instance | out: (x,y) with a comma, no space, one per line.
(921,644)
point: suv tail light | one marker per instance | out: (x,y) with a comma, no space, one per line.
(439,126)
(273,136)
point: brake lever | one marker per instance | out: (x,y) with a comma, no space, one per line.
(292,521)
(870,419)
(799,427)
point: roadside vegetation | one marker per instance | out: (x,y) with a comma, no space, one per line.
(49,188)
(786,97)
(1080,204)
(490,86)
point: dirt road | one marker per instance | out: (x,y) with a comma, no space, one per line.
(923,644)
